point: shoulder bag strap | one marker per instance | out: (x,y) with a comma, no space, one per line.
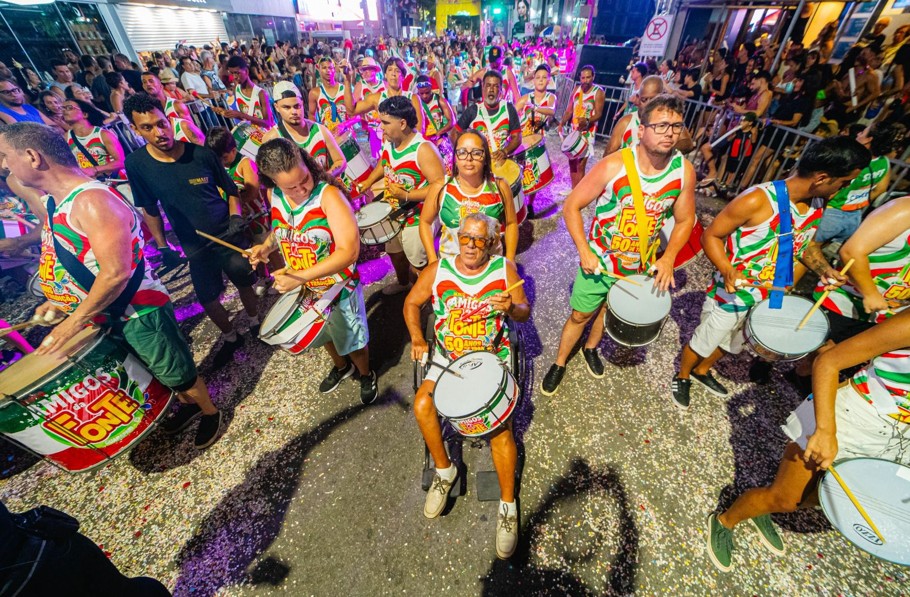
(82,149)
(638,201)
(783,267)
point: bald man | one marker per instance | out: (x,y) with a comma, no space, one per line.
(625,131)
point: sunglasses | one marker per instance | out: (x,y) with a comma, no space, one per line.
(480,242)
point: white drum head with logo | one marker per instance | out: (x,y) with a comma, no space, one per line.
(776,328)
(482,377)
(638,305)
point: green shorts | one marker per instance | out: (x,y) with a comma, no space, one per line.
(589,291)
(160,345)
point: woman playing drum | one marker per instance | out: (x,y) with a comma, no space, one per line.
(472,280)
(313,225)
(472,188)
(866,416)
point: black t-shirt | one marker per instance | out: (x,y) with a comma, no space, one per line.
(695,89)
(902,57)
(187,189)
(790,106)
(468,116)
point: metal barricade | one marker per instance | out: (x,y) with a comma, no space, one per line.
(129,140)
(898,186)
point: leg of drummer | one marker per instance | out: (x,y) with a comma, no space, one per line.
(706,363)
(597,330)
(446,471)
(338,361)
(505,460)
(571,334)
(402,267)
(250,301)
(199,395)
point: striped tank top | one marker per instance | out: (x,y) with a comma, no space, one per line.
(887,378)
(330,107)
(583,106)
(614,231)
(313,144)
(529,118)
(630,135)
(455,294)
(495,127)
(856,195)
(180,130)
(304,237)
(248,104)
(170,108)
(753,252)
(456,204)
(401,168)
(889,266)
(255,211)
(57,284)
(93,143)
(433,114)
(372,117)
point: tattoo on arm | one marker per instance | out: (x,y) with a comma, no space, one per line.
(813,258)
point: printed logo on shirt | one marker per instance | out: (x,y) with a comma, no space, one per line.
(199,181)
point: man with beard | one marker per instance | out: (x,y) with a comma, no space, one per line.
(496,119)
(14,108)
(584,111)
(175,110)
(618,241)
(188,181)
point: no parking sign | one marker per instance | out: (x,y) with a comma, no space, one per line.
(657,34)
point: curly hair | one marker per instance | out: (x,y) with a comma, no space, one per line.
(141,103)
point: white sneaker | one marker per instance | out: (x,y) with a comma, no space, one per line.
(395,288)
(506,532)
(438,496)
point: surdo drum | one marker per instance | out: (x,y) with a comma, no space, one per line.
(635,315)
(772,333)
(575,146)
(510,171)
(482,399)
(537,172)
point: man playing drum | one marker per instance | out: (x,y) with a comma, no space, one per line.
(395,70)
(869,415)
(436,118)
(496,119)
(93,271)
(744,243)
(310,136)
(413,171)
(175,110)
(613,246)
(251,102)
(369,83)
(314,227)
(584,112)
(456,284)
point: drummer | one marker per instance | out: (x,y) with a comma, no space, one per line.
(313,225)
(369,82)
(251,102)
(327,101)
(394,72)
(538,106)
(464,277)
(613,244)
(435,118)
(95,241)
(494,118)
(743,244)
(413,171)
(310,136)
(97,150)
(472,188)
(868,416)
(584,112)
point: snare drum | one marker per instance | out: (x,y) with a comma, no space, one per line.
(510,171)
(376,224)
(248,137)
(537,172)
(482,399)
(772,333)
(297,320)
(575,146)
(690,250)
(84,409)
(883,489)
(635,315)
(358,168)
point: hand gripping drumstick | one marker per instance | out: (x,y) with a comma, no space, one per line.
(822,298)
(36,320)
(469,314)
(215,239)
(855,502)
(423,361)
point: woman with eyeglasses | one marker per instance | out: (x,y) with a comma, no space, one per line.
(472,188)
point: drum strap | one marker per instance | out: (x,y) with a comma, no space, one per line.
(783,267)
(641,216)
(85,278)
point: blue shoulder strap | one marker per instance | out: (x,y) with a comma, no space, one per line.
(783,267)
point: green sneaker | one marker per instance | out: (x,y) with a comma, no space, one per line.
(769,536)
(720,544)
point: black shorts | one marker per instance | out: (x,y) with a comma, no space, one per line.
(210,264)
(844,328)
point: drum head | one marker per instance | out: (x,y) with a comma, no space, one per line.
(279,312)
(33,367)
(509,170)
(639,305)
(882,487)
(776,328)
(373,213)
(532,140)
(482,376)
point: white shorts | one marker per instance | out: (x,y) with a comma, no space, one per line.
(718,329)
(408,242)
(861,430)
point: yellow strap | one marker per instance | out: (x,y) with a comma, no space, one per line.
(641,216)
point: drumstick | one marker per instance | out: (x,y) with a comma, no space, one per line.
(763,286)
(856,504)
(215,239)
(822,298)
(17,327)
(599,270)
(483,304)
(423,361)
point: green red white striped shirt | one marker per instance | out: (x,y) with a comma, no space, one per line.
(93,143)
(401,168)
(887,377)
(456,204)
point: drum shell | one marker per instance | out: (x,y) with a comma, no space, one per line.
(634,334)
(537,171)
(767,353)
(379,232)
(631,334)
(88,409)
(248,137)
(491,415)
(358,167)
(291,325)
(575,146)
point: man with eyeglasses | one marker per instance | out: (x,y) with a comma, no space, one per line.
(14,108)
(583,112)
(495,118)
(613,246)
(475,279)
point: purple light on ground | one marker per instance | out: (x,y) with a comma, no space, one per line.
(188,311)
(374,270)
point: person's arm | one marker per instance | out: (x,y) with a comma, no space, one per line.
(724,80)
(313,106)
(546,111)
(743,210)
(792,122)
(193,133)
(250,175)
(511,219)
(880,227)
(513,303)
(764,102)
(421,120)
(107,224)
(813,258)
(433,171)
(337,161)
(116,101)
(514,136)
(567,115)
(428,214)
(268,120)
(619,129)
(882,185)
(419,295)
(182,111)
(889,335)
(377,173)
(684,214)
(587,191)
(114,152)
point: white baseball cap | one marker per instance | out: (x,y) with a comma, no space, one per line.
(283,90)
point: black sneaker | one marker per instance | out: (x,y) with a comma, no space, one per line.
(552,380)
(209,426)
(369,387)
(226,352)
(592,360)
(760,371)
(180,420)
(711,384)
(335,377)
(681,388)
(254,329)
